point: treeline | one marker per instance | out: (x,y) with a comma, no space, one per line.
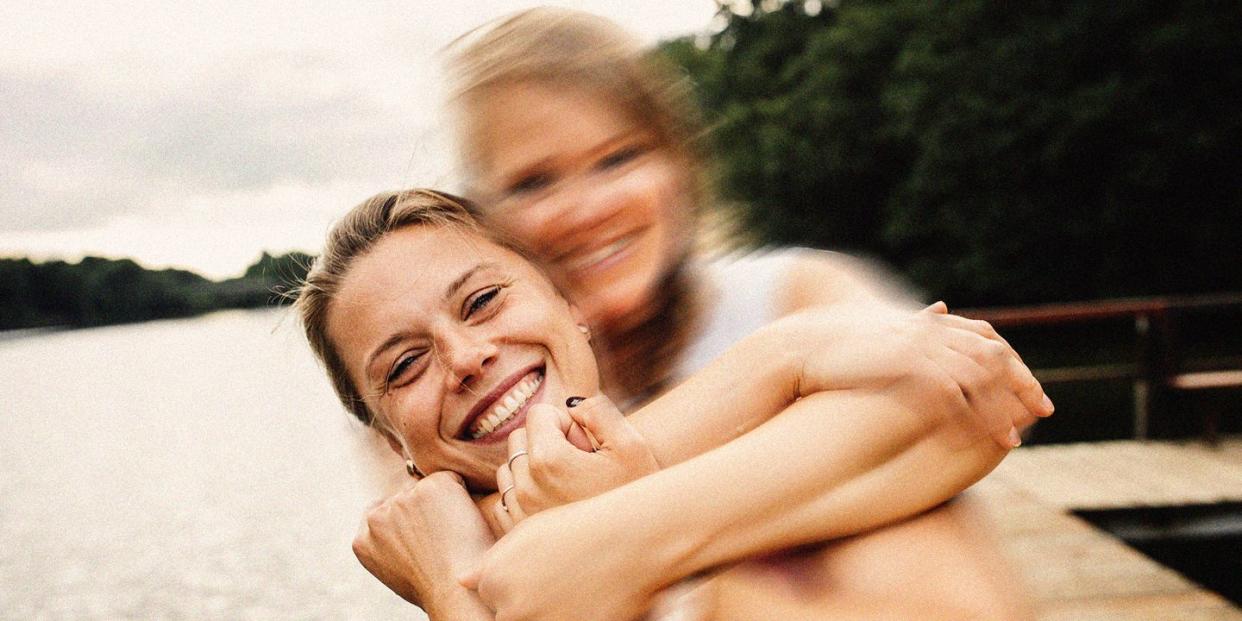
(97,291)
(994,152)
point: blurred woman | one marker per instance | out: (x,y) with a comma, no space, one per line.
(588,151)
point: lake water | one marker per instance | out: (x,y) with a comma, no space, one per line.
(196,468)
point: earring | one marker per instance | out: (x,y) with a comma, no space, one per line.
(582,327)
(409,467)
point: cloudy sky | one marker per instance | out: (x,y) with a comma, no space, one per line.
(198,134)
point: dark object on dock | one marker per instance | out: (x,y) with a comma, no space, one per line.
(1202,542)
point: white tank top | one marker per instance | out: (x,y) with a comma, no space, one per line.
(745,288)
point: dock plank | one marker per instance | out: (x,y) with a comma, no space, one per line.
(1073,571)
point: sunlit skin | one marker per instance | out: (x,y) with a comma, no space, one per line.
(433,322)
(596,197)
(432,319)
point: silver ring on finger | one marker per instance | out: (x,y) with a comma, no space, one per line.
(515,456)
(503,504)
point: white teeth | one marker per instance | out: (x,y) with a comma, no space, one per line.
(507,406)
(600,254)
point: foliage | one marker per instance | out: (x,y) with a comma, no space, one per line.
(98,291)
(994,152)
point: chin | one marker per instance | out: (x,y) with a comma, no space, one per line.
(621,311)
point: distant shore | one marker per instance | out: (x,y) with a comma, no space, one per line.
(95,291)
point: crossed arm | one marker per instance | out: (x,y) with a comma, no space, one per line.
(876,438)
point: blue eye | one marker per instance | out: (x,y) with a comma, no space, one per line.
(481,301)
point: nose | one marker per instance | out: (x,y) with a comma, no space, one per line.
(465,358)
(581,204)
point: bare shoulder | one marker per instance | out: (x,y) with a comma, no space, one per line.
(818,278)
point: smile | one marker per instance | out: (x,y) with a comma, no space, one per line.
(602,256)
(506,410)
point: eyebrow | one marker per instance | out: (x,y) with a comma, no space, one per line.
(449,292)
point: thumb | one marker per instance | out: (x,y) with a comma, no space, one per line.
(470,578)
(600,419)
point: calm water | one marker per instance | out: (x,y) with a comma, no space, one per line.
(194,468)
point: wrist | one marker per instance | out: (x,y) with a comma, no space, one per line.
(453,601)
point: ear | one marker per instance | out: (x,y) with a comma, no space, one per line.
(580,320)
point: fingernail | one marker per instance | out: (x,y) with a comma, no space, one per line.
(1015,440)
(574,401)
(1048,405)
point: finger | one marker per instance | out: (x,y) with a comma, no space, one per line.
(579,437)
(519,451)
(362,541)
(547,433)
(505,484)
(1006,361)
(1029,389)
(502,519)
(603,422)
(523,500)
(470,578)
(980,327)
(456,476)
(937,308)
(991,408)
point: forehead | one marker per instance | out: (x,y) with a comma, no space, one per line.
(516,125)
(403,278)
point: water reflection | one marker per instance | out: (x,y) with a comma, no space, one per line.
(188,468)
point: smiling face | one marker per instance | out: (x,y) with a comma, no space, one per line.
(595,196)
(450,339)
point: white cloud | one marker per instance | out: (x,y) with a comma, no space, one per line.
(198,134)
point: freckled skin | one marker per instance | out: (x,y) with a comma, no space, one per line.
(504,318)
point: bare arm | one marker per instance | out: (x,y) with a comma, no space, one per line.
(960,382)
(833,464)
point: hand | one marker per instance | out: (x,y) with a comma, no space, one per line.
(551,465)
(570,563)
(957,370)
(419,540)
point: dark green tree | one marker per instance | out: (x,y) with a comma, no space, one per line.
(996,153)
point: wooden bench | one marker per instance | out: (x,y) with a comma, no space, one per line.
(1207,380)
(1215,389)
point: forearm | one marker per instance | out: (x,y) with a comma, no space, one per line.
(462,604)
(750,383)
(831,465)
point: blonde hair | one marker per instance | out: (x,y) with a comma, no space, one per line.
(352,237)
(572,49)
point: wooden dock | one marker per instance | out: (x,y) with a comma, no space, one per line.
(1075,571)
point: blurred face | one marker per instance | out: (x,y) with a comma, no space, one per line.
(590,192)
(451,339)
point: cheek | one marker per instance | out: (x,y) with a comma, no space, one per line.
(670,203)
(410,420)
